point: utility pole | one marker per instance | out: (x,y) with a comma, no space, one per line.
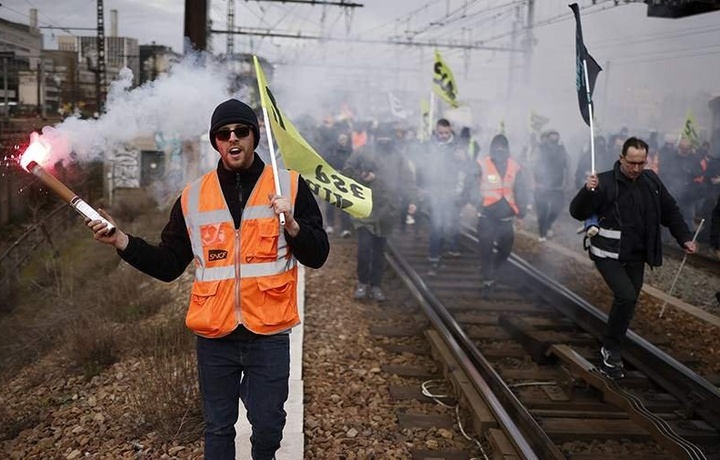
(230,47)
(5,55)
(100,75)
(529,39)
(511,72)
(41,88)
(196,25)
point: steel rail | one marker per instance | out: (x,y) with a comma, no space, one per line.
(695,392)
(528,438)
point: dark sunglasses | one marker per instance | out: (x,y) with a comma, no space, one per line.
(224,134)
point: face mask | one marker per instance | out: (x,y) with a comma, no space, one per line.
(500,153)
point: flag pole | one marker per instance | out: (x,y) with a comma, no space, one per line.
(677,275)
(590,116)
(431,115)
(273,161)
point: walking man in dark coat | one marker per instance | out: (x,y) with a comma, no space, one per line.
(631,203)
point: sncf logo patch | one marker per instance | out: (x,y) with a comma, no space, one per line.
(217,254)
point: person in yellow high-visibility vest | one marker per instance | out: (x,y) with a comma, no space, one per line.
(243,302)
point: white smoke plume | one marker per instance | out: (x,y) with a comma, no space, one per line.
(178,104)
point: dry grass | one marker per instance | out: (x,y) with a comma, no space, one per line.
(99,311)
(169,400)
(92,345)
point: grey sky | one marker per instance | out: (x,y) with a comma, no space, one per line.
(650,59)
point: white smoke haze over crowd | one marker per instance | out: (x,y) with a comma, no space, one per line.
(654,69)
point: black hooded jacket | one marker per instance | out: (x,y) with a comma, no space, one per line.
(636,208)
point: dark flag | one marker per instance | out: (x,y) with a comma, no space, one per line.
(593,68)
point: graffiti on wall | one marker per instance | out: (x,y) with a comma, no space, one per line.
(126,167)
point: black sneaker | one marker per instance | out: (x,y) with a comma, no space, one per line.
(486,286)
(717,296)
(612,364)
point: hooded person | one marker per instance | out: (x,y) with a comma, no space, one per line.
(550,173)
(380,166)
(243,301)
(501,193)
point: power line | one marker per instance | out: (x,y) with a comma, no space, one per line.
(391,41)
(315,2)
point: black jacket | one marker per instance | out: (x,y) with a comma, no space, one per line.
(168,260)
(657,207)
(715,226)
(551,167)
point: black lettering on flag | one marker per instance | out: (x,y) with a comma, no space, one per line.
(276,110)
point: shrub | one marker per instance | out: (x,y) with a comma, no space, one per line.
(12,424)
(130,296)
(168,402)
(92,345)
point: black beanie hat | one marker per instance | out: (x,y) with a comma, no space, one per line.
(233,111)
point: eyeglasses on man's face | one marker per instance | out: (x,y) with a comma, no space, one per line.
(224,134)
(634,163)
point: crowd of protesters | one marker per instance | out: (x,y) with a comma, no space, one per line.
(434,180)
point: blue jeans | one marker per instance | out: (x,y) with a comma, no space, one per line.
(444,224)
(254,369)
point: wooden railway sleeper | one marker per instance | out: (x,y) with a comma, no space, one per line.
(658,428)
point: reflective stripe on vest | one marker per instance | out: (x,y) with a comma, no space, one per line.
(196,220)
(493,187)
(242,276)
(603,254)
(606,244)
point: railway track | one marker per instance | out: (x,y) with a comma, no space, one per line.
(529,348)
(701,260)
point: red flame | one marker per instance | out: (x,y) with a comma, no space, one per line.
(38,151)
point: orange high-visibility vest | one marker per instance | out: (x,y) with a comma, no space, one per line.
(493,187)
(243,276)
(358,139)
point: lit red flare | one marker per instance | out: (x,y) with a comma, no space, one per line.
(38,152)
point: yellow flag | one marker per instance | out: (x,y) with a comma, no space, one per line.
(689,130)
(537,121)
(443,81)
(338,190)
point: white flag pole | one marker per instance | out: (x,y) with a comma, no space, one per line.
(590,116)
(273,161)
(431,116)
(677,275)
